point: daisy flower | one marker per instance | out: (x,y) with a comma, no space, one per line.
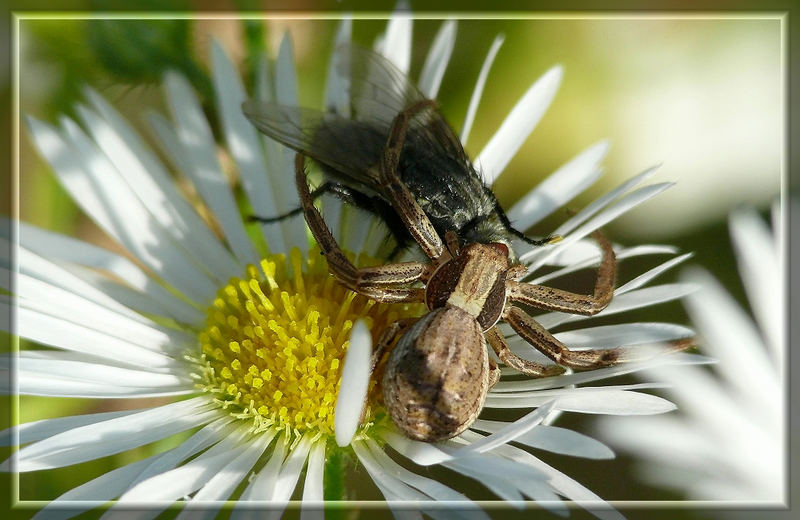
(727,444)
(247,332)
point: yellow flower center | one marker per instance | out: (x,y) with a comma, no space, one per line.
(274,343)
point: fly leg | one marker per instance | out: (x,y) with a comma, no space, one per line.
(398,193)
(378,283)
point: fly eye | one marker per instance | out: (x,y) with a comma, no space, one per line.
(500,247)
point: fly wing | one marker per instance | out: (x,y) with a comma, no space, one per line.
(349,147)
(379,91)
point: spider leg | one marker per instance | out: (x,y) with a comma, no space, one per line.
(398,193)
(388,337)
(530,330)
(525,366)
(377,283)
(494,373)
(552,299)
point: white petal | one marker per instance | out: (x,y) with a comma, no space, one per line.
(337,98)
(38,430)
(731,336)
(282,167)
(477,92)
(438,57)
(62,304)
(563,484)
(288,476)
(313,499)
(225,481)
(518,125)
(95,185)
(116,482)
(35,384)
(155,187)
(179,482)
(244,144)
(434,489)
(62,334)
(204,169)
(210,434)
(651,274)
(623,205)
(37,267)
(422,453)
(397,44)
(383,479)
(596,401)
(86,496)
(559,187)
(77,371)
(760,270)
(261,487)
(554,439)
(113,436)
(354,385)
(584,253)
(62,248)
(599,203)
(508,433)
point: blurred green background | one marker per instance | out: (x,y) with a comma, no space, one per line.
(702,96)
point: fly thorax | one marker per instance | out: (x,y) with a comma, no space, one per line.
(473,281)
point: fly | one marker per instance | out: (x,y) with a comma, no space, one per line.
(432,163)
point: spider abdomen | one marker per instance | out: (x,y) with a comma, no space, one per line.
(437,376)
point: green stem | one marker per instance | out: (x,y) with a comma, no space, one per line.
(333,480)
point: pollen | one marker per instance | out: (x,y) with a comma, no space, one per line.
(274,341)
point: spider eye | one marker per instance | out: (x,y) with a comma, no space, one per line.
(500,247)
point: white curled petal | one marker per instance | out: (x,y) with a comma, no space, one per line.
(355,382)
